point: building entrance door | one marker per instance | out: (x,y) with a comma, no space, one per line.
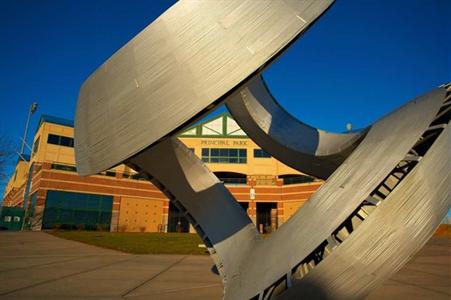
(176,221)
(266,223)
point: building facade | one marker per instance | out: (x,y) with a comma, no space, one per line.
(52,194)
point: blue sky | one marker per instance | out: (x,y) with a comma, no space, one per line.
(361,60)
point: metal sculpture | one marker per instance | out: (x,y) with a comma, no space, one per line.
(387,186)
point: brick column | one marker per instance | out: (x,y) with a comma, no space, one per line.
(165,216)
(36,222)
(114,226)
(252,211)
(280,214)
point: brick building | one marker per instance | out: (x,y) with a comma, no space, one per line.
(52,194)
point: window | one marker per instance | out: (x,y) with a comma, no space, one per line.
(35,146)
(60,140)
(294,179)
(68,210)
(138,176)
(231,177)
(64,168)
(224,155)
(66,141)
(260,153)
(53,139)
(110,173)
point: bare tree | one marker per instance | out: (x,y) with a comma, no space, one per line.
(6,155)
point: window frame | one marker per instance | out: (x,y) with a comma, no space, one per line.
(60,140)
(224,155)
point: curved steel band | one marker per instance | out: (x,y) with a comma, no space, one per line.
(377,206)
(307,149)
(298,258)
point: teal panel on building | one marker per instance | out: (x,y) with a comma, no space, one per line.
(11,218)
(69,210)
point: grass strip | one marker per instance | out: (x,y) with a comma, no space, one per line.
(138,243)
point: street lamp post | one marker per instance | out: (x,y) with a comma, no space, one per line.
(32,109)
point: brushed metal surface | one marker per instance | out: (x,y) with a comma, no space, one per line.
(307,149)
(176,68)
(238,251)
(386,143)
(199,53)
(390,236)
(213,212)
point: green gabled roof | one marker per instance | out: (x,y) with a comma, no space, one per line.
(221,126)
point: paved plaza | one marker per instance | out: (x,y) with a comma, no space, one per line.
(35,265)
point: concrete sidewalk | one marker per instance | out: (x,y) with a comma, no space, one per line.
(427,276)
(36,265)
